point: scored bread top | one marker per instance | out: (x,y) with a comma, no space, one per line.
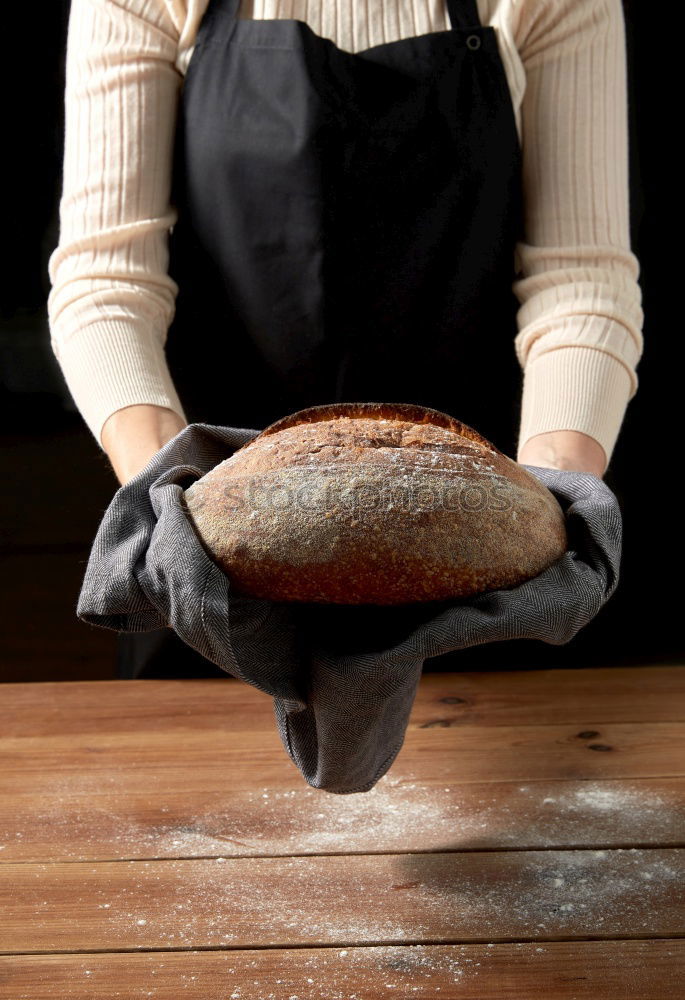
(404,412)
(352,432)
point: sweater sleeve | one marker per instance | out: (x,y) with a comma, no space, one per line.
(580,321)
(112,299)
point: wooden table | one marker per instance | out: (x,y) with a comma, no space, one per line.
(157,841)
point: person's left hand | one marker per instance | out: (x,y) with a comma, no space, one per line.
(571,450)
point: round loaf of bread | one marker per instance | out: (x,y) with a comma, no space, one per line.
(374,503)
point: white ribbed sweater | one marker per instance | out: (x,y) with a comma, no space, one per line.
(580,319)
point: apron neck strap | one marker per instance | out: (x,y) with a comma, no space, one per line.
(463,13)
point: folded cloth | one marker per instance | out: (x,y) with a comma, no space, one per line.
(343,677)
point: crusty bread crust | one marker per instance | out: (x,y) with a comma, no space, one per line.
(374,503)
(411,412)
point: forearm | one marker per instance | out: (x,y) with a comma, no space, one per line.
(133,435)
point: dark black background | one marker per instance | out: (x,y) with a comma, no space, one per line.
(57,482)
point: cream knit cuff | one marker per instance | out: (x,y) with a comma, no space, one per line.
(110,365)
(575,388)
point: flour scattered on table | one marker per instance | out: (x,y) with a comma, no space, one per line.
(395,815)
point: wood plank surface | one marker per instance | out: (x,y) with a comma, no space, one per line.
(146,769)
(587,970)
(529,841)
(294,819)
(494,698)
(342,900)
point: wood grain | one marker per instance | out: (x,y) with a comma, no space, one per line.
(348,900)
(529,841)
(562,970)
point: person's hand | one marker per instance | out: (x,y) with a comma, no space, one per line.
(571,450)
(133,435)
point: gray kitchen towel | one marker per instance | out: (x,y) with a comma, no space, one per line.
(343,677)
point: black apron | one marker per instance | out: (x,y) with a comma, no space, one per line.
(346,232)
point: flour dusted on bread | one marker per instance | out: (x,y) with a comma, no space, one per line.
(374,503)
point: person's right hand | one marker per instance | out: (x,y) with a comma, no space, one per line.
(132,435)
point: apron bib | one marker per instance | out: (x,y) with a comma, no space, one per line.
(346,224)
(346,232)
